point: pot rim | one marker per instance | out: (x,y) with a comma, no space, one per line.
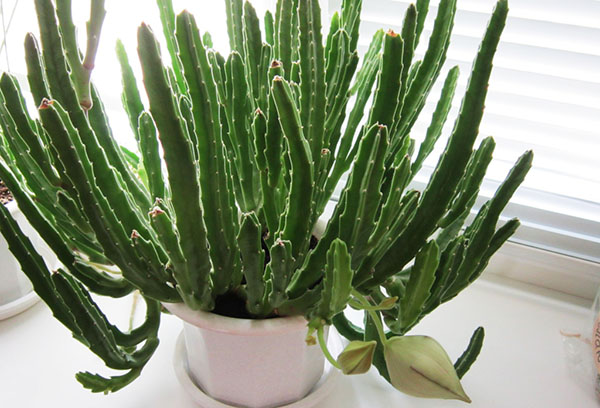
(234,325)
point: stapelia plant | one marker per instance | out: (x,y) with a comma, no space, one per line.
(252,147)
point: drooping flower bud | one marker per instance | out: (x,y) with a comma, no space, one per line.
(419,366)
(357,357)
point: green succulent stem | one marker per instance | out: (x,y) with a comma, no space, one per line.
(323,345)
(367,307)
(81,70)
(387,304)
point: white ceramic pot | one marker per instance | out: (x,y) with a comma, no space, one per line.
(13,283)
(16,292)
(249,363)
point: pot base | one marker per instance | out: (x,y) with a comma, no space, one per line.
(319,391)
(19,305)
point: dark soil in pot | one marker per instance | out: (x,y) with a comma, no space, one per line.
(5,195)
(230,304)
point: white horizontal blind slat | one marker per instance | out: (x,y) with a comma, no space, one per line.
(544,95)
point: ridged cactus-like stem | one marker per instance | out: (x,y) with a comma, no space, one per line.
(212,166)
(451,167)
(81,70)
(296,222)
(194,281)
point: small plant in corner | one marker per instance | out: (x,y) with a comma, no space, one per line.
(253,145)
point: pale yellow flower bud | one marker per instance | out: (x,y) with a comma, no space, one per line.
(419,366)
(357,357)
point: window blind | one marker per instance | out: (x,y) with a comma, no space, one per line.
(544,95)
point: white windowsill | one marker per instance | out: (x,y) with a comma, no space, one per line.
(545,269)
(522,363)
